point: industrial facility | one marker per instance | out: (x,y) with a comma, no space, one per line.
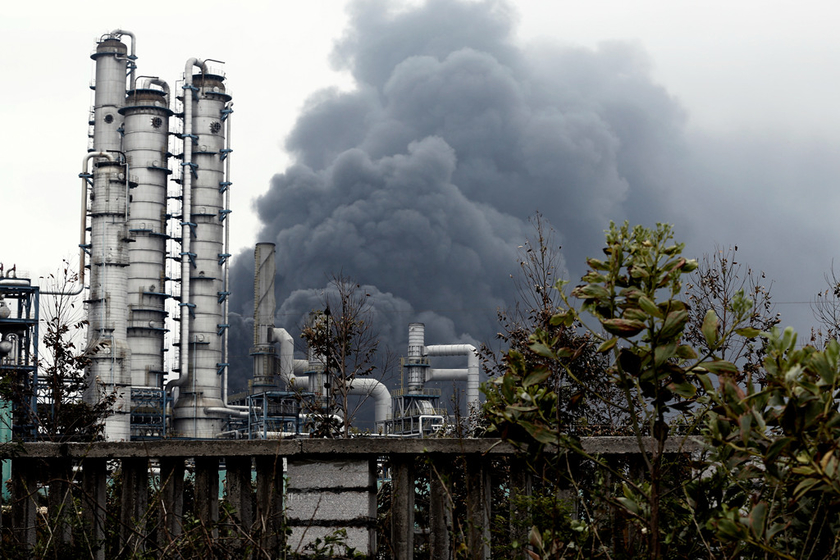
(153,272)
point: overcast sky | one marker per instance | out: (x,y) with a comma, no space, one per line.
(721,117)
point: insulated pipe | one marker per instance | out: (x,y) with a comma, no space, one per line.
(226,411)
(290,368)
(373,388)
(226,281)
(186,232)
(132,57)
(146,81)
(21,282)
(83,224)
(287,358)
(469,351)
(433,374)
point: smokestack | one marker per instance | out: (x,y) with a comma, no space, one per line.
(264,350)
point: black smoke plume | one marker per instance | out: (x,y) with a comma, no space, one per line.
(419,183)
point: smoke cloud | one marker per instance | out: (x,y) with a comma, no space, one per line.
(419,182)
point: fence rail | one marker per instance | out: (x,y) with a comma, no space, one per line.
(329,484)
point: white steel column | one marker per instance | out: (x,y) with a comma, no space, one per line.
(107,310)
(146,146)
(196,412)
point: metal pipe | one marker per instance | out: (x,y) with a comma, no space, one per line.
(132,57)
(287,357)
(373,388)
(226,281)
(433,417)
(186,232)
(469,351)
(433,374)
(146,81)
(226,411)
(21,282)
(83,225)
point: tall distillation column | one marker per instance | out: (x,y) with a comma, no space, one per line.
(107,305)
(107,331)
(146,150)
(201,390)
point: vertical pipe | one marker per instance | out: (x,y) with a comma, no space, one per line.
(186,230)
(84,175)
(226,283)
(132,57)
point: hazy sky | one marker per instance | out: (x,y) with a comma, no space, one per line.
(721,117)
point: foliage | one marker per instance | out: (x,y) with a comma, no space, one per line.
(343,337)
(718,280)
(826,309)
(333,545)
(634,296)
(575,380)
(782,443)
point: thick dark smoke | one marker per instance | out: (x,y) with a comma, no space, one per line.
(420,182)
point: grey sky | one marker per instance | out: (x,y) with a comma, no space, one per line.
(718,116)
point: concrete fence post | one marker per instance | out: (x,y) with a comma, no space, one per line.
(478,508)
(25,500)
(60,500)
(520,491)
(95,503)
(170,500)
(440,507)
(207,492)
(239,494)
(270,523)
(402,506)
(134,502)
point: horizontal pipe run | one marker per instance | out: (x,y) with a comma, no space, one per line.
(226,411)
(470,352)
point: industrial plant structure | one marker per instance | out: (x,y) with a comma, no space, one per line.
(155,192)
